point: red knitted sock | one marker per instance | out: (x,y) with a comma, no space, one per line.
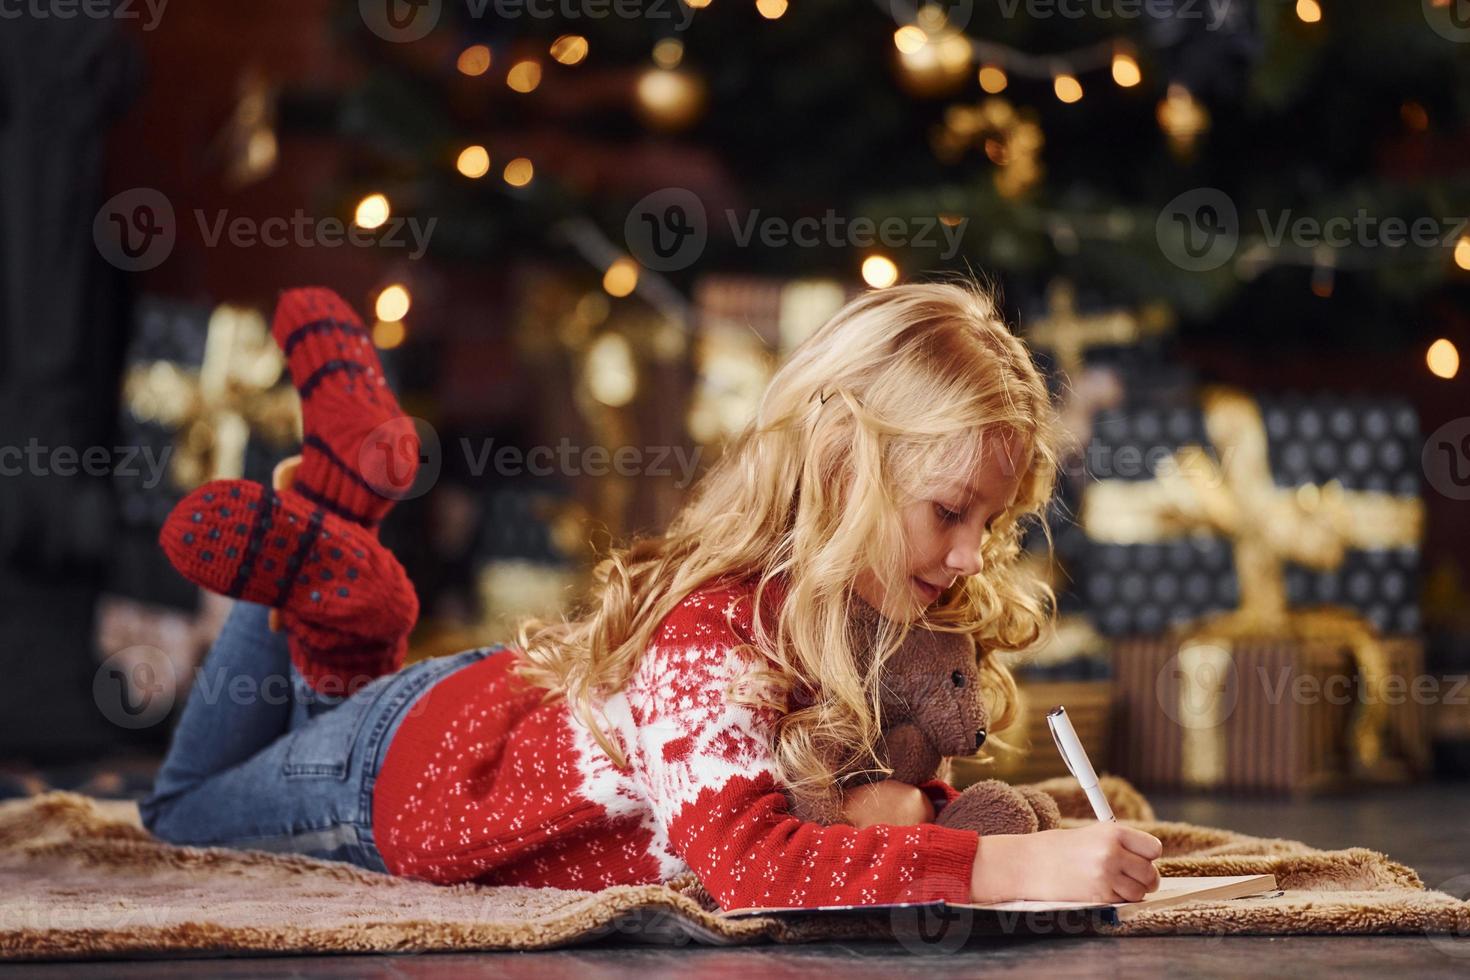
(347,605)
(359,452)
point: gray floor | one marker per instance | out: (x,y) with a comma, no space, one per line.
(1421,826)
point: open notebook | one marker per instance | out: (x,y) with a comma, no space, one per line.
(1171,891)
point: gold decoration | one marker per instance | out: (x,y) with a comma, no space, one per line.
(215,409)
(248,140)
(1183,120)
(1012,140)
(1267,526)
(1069,334)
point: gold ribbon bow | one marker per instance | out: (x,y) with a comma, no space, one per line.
(1268,525)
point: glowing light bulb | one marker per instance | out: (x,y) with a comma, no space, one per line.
(372,211)
(993,79)
(518,172)
(879,271)
(1310,11)
(569,49)
(668,52)
(621,278)
(1067,88)
(523,76)
(1125,70)
(393,303)
(473,162)
(474,60)
(1443,359)
(771,9)
(388,334)
(1462,252)
(909,39)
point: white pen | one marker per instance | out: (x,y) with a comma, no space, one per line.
(1075,758)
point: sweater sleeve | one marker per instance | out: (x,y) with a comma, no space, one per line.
(706,763)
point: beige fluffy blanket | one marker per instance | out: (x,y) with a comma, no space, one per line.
(79,878)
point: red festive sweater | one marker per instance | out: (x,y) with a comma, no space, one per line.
(482,782)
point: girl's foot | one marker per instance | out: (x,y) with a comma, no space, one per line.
(360,453)
(347,605)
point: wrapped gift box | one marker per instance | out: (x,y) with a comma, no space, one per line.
(1355,445)
(1274,715)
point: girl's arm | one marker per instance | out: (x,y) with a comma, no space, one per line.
(706,765)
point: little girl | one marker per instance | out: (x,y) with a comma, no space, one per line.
(894,460)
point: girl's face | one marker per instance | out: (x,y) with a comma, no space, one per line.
(945,528)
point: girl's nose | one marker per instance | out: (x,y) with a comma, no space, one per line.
(964,560)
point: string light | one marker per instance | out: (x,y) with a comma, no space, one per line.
(372,211)
(879,271)
(474,60)
(569,49)
(696,4)
(771,9)
(993,79)
(1125,70)
(524,76)
(473,162)
(621,277)
(669,98)
(668,52)
(1309,11)
(1443,359)
(393,303)
(1462,252)
(518,172)
(1067,88)
(1182,118)
(611,370)
(388,334)
(909,39)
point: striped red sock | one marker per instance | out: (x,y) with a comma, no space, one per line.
(359,452)
(346,602)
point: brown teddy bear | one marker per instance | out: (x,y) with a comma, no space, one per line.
(933,708)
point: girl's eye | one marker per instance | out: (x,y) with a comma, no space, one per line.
(945,514)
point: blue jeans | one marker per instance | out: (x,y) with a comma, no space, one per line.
(259,760)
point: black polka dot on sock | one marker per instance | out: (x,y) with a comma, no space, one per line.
(206,555)
(189,537)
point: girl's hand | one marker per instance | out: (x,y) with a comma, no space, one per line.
(1103,862)
(888,801)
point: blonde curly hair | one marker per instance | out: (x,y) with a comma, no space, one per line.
(900,386)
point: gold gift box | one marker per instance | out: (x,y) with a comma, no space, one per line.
(1271,715)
